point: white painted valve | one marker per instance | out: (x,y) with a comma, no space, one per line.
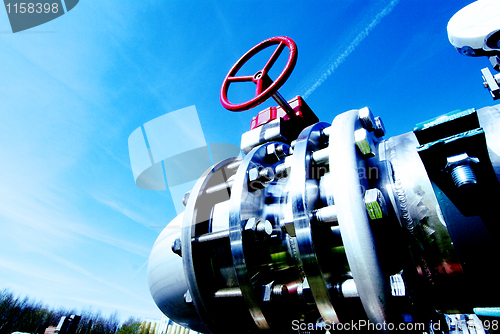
(469,27)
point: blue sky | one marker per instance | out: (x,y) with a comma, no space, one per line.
(75,230)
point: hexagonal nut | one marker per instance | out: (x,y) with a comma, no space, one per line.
(251,224)
(260,173)
(460,167)
(365,143)
(459,159)
(375,204)
(366,118)
(254,182)
(267,291)
(379,127)
(288,227)
(185,198)
(261,227)
(258,177)
(176,247)
(275,152)
(495,61)
(305,293)
(253,173)
(187,297)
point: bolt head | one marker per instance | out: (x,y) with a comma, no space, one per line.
(375,204)
(259,177)
(188,299)
(261,227)
(276,151)
(267,292)
(287,224)
(176,247)
(497,78)
(367,120)
(185,199)
(365,143)
(459,159)
(251,224)
(304,291)
(260,173)
(288,227)
(253,173)
(379,127)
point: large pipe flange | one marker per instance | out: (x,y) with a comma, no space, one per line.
(251,221)
(304,193)
(197,260)
(348,192)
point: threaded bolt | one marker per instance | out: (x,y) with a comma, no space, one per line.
(259,177)
(461,171)
(261,174)
(279,291)
(463,176)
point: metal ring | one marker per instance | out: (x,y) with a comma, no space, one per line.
(308,141)
(197,211)
(244,205)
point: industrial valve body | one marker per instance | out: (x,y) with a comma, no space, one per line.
(341,224)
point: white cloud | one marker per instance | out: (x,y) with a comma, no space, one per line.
(340,58)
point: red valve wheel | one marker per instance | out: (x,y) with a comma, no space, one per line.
(265,86)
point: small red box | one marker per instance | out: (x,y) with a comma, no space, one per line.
(267,115)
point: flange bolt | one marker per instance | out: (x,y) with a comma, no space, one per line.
(375,204)
(176,246)
(460,168)
(261,227)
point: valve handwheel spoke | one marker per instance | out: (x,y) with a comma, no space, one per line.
(266,87)
(273,58)
(240,78)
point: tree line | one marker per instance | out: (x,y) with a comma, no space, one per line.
(26,315)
